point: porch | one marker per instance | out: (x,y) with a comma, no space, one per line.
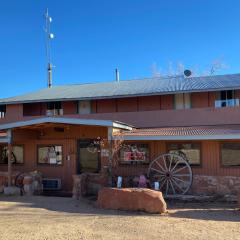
(58,148)
(61,148)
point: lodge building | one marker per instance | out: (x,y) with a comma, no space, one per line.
(55,130)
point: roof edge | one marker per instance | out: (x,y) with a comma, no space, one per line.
(118,96)
(63,120)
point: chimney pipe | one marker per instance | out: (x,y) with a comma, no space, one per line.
(117,75)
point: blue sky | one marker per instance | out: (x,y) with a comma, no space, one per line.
(93,37)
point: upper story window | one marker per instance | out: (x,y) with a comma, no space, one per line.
(226,99)
(84,107)
(2,111)
(182,101)
(54,108)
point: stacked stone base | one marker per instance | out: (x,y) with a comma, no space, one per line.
(91,183)
(28,183)
(215,185)
(87,184)
(4,180)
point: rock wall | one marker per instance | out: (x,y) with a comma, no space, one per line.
(4,179)
(215,185)
(91,183)
(88,184)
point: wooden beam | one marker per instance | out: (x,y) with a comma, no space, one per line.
(9,133)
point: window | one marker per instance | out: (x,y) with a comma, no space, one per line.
(84,107)
(54,108)
(51,154)
(17,154)
(230,154)
(191,151)
(226,99)
(182,101)
(2,111)
(88,156)
(134,153)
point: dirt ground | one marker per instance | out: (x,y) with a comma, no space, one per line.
(64,218)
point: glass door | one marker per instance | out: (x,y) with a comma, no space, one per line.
(88,156)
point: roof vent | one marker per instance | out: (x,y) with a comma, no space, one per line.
(117,75)
(187,73)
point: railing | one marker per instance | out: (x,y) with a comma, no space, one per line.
(226,103)
(54,112)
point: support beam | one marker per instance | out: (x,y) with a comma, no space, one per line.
(9,133)
(110,158)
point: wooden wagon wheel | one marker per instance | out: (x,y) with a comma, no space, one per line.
(173,173)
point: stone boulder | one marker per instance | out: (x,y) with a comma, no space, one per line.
(136,199)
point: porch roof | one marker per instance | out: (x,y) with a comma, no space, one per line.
(183,133)
(63,120)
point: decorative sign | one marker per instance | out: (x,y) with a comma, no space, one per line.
(134,156)
(52,160)
(104,153)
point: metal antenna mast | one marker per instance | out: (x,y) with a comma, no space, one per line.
(49,37)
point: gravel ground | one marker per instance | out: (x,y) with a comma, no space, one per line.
(64,218)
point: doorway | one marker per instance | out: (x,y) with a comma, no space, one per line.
(88,159)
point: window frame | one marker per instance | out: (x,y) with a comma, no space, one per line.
(220,155)
(18,164)
(3,111)
(48,164)
(136,162)
(188,142)
(78,107)
(54,103)
(83,143)
(185,98)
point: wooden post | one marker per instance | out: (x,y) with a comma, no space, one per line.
(110,158)
(9,133)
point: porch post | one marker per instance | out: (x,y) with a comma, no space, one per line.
(9,133)
(110,159)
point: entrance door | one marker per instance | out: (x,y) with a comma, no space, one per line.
(88,156)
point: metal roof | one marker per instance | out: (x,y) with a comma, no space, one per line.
(183,133)
(63,120)
(128,88)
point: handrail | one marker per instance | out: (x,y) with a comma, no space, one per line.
(227,103)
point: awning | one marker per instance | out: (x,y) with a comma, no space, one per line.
(183,133)
(63,120)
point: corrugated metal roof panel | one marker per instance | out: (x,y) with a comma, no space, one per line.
(182,133)
(128,88)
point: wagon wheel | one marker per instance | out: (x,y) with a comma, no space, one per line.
(173,173)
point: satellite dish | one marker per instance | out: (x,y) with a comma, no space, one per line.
(187,73)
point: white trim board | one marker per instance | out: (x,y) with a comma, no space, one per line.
(73,121)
